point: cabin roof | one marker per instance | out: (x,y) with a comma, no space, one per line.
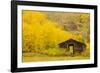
(72,40)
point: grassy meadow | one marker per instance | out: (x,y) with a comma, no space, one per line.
(43,31)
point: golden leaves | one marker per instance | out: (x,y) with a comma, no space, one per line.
(39,32)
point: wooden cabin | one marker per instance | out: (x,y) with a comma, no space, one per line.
(73,46)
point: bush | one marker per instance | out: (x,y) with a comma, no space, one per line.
(53,51)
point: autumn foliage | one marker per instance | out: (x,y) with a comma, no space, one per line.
(42,35)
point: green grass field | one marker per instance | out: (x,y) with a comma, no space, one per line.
(30,57)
